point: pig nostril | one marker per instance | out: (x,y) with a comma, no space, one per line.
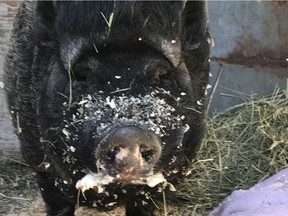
(147,154)
(111,154)
(130,145)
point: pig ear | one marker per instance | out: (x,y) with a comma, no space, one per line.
(181,26)
(46,11)
(194,23)
(195,38)
(190,31)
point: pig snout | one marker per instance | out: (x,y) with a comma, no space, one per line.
(129,152)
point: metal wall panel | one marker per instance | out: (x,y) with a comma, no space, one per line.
(251,44)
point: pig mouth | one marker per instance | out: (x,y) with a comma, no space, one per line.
(99,181)
(129,176)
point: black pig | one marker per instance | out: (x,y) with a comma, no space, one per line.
(107,98)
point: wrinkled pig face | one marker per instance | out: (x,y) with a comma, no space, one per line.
(117,114)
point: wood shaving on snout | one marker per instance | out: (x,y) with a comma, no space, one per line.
(149,110)
(98,180)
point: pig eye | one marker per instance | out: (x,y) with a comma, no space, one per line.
(80,76)
(161,77)
(83,68)
(160,72)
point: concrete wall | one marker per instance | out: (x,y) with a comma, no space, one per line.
(250,53)
(7,138)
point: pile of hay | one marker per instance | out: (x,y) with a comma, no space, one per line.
(242,147)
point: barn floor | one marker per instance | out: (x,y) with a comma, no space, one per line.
(19,195)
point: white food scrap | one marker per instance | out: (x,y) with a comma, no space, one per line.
(97,180)
(155,179)
(92,180)
(158,178)
(1,85)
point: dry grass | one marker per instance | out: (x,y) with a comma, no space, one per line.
(243,146)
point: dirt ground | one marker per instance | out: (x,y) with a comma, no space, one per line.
(19,195)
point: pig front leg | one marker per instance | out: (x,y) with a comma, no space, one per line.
(57,203)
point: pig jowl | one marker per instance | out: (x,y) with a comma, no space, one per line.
(107,98)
